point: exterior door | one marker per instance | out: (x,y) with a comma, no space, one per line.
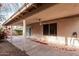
(28,31)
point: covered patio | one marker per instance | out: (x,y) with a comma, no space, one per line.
(54,41)
(34,48)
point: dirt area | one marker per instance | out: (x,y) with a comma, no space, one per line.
(7,49)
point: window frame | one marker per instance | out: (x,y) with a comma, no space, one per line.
(49,27)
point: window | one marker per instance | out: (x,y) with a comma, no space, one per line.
(53,29)
(50,29)
(46,29)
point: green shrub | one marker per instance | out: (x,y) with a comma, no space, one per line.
(18,32)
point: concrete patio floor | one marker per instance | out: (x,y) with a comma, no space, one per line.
(7,49)
(33,48)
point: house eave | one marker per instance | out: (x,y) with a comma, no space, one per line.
(24,7)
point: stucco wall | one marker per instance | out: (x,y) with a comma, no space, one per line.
(37,29)
(65,28)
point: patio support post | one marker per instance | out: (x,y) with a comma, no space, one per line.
(24,28)
(24,34)
(11,32)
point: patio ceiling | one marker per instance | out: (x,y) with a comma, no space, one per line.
(45,12)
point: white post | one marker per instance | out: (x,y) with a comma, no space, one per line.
(24,34)
(11,32)
(24,28)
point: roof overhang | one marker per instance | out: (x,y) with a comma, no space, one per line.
(25,12)
(45,12)
(23,8)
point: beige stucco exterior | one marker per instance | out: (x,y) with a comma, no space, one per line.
(65,26)
(65,15)
(37,29)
